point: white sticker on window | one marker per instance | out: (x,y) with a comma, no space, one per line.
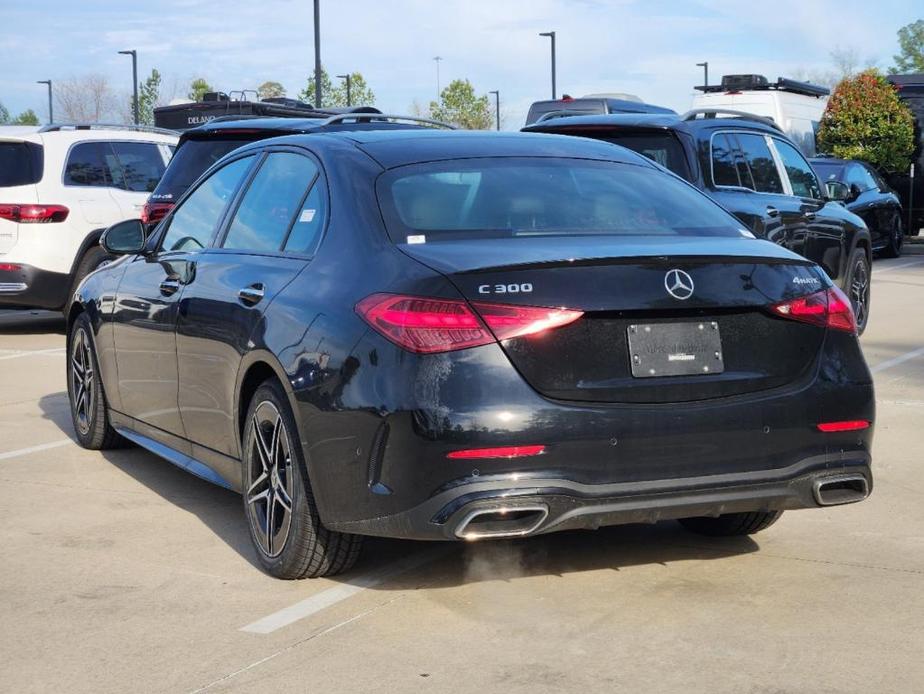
(419,238)
(307,215)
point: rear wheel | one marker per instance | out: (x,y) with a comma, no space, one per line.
(857,287)
(89,411)
(286,530)
(893,248)
(732,524)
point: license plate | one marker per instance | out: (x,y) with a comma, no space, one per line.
(675,349)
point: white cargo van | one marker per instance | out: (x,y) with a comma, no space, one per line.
(794,106)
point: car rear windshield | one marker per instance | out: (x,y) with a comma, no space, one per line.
(519,197)
(662,147)
(191,161)
(20,163)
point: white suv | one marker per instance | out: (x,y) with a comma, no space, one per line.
(60,187)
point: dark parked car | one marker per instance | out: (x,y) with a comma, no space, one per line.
(746,164)
(590,104)
(437,335)
(911,190)
(870,198)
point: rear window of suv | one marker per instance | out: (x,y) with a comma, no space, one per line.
(190,161)
(662,147)
(518,197)
(20,163)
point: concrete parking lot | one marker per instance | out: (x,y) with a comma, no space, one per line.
(123,573)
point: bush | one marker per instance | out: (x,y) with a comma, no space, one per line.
(866,120)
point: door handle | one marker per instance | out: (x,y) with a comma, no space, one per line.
(169,287)
(251,295)
(772,211)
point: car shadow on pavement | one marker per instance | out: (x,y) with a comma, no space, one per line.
(441,564)
(32,323)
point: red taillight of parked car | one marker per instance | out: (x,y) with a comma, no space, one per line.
(497,452)
(153,212)
(33,214)
(427,325)
(844,425)
(829,308)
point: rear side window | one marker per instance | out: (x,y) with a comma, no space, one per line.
(191,160)
(764,174)
(88,164)
(724,171)
(141,165)
(663,148)
(20,163)
(504,197)
(309,223)
(272,203)
(801,177)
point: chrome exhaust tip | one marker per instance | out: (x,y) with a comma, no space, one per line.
(840,489)
(505,521)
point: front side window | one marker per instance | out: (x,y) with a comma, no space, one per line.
(859,176)
(510,197)
(141,165)
(272,203)
(88,164)
(192,224)
(801,177)
(760,161)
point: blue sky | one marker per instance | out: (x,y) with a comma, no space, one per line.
(649,48)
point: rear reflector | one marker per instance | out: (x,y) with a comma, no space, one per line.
(846,425)
(153,212)
(425,325)
(828,308)
(10,267)
(501,452)
(33,214)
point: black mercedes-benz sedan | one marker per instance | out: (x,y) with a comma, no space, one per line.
(443,335)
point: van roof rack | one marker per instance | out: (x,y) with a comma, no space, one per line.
(747,83)
(56,127)
(708,113)
(378,116)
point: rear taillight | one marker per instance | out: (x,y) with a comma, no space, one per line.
(426,325)
(153,212)
(33,214)
(829,308)
(10,267)
(843,425)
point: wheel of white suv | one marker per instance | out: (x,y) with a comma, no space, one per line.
(286,530)
(732,524)
(89,411)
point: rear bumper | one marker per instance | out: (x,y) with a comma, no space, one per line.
(32,287)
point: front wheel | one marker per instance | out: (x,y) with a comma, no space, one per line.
(857,287)
(286,530)
(893,248)
(89,411)
(732,524)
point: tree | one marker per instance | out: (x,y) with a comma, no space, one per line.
(360,93)
(865,119)
(87,99)
(148,97)
(307,94)
(198,88)
(27,117)
(911,48)
(459,105)
(270,90)
(4,115)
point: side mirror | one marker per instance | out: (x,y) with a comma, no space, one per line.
(837,191)
(124,238)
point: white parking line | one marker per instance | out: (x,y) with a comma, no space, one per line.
(35,449)
(17,353)
(897,266)
(900,359)
(331,596)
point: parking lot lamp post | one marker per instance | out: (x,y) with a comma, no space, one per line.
(437,60)
(317,53)
(349,96)
(551,35)
(705,67)
(134,54)
(496,94)
(51,115)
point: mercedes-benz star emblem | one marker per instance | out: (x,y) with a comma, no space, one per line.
(678,284)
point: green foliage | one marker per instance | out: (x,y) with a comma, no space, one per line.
(148,95)
(360,93)
(27,117)
(911,48)
(307,94)
(4,115)
(270,90)
(198,88)
(866,120)
(460,106)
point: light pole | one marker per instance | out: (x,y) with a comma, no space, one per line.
(317,53)
(51,114)
(134,54)
(496,94)
(551,35)
(705,67)
(349,96)
(437,60)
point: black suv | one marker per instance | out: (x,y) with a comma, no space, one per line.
(750,167)
(201,147)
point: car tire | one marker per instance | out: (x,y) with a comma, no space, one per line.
(857,287)
(290,540)
(89,409)
(92,259)
(893,248)
(732,524)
